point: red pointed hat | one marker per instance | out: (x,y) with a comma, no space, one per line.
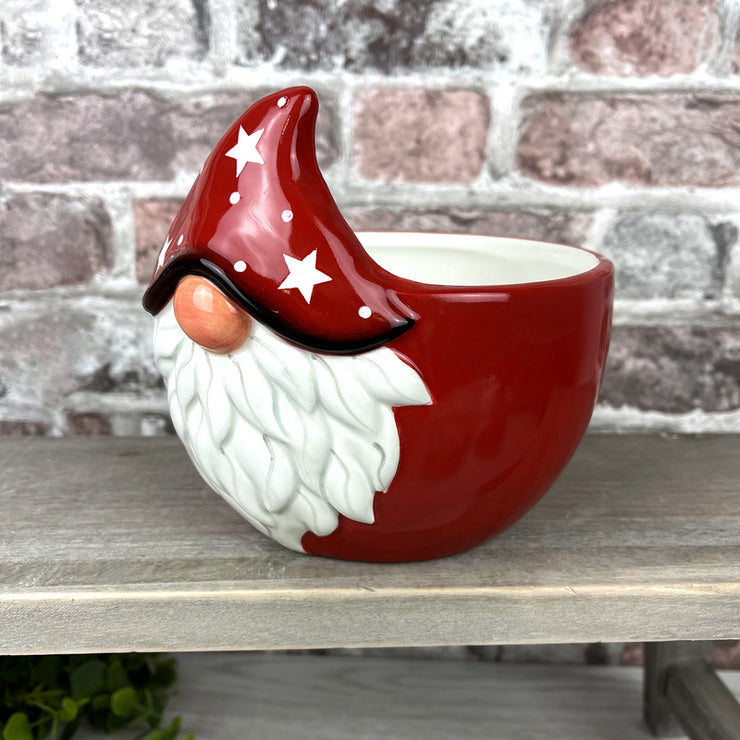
(261,223)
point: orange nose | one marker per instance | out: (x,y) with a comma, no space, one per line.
(208,317)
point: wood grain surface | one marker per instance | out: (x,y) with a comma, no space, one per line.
(233,696)
(115,544)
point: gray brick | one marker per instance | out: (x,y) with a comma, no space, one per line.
(141,33)
(155,425)
(497,35)
(662,139)
(58,349)
(543,225)
(119,423)
(152,219)
(391,35)
(23,28)
(91,137)
(666,256)
(23,428)
(420,135)
(643,37)
(132,136)
(326,35)
(732,271)
(89,424)
(198,123)
(48,240)
(673,369)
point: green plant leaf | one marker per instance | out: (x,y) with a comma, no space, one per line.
(161,735)
(87,679)
(68,710)
(18,727)
(168,733)
(116,676)
(48,697)
(125,702)
(101,702)
(152,709)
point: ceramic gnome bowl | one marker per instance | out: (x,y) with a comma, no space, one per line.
(388,397)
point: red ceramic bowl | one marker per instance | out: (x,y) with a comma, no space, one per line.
(398,401)
(511,344)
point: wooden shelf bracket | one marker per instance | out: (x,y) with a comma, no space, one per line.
(683,695)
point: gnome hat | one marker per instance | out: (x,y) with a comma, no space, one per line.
(261,223)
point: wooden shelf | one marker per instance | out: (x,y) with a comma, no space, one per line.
(116,545)
(224,696)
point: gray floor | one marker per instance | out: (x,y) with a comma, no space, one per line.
(242,696)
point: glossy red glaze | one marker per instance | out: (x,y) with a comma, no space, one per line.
(260,217)
(514,373)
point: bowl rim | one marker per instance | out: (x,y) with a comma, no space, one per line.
(602,267)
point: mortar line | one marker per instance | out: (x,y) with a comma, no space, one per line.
(511,192)
(190,79)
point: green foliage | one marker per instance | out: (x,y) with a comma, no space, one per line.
(87,679)
(17,727)
(48,697)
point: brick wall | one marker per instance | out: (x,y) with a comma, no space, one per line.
(612,124)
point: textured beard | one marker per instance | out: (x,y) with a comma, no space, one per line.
(290,438)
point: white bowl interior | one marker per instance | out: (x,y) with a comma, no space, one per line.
(461,259)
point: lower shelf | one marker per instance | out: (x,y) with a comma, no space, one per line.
(243,696)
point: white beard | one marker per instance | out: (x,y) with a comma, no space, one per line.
(290,438)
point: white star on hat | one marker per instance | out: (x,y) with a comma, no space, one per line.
(163,251)
(303,275)
(245,149)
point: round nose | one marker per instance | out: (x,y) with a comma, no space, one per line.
(208,317)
